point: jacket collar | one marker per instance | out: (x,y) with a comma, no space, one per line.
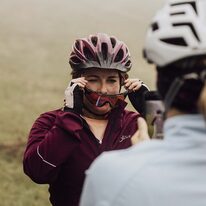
(188,125)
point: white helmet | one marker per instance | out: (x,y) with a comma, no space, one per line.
(178,31)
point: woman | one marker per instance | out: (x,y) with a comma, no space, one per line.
(170,171)
(63,143)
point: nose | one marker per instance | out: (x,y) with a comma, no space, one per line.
(103,88)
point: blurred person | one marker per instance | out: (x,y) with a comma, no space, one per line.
(170,171)
(63,143)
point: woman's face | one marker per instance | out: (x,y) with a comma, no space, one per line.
(101,80)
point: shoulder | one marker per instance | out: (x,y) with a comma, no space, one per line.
(120,166)
(61,118)
(140,152)
(50,117)
(47,117)
(51,114)
(129,120)
(59,113)
(126,114)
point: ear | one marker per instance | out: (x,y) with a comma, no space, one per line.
(126,76)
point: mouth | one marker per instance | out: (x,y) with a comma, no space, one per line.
(104,103)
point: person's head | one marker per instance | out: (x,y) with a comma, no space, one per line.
(176,44)
(104,62)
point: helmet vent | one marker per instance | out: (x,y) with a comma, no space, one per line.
(77,45)
(128,63)
(119,56)
(177,13)
(191,27)
(94,40)
(75,60)
(104,50)
(155,26)
(179,41)
(113,41)
(192,3)
(88,54)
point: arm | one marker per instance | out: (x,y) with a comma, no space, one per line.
(142,133)
(51,141)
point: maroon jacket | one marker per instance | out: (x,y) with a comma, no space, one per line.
(61,147)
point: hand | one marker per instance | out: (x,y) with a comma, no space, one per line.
(74,95)
(81,82)
(142,133)
(136,96)
(132,84)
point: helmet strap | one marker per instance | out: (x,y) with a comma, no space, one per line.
(177,84)
(172,92)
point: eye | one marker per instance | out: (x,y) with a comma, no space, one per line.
(112,80)
(92,80)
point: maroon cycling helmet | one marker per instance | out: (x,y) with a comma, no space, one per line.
(100,51)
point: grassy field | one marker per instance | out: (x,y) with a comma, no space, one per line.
(35,40)
(16,190)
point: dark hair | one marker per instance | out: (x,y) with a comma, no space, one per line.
(76,73)
(187,97)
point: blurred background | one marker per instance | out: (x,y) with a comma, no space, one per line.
(36,37)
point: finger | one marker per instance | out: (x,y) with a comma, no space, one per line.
(83,82)
(80,84)
(133,80)
(127,84)
(126,80)
(79,80)
(130,84)
(134,85)
(69,88)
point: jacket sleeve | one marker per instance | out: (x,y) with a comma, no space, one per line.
(51,141)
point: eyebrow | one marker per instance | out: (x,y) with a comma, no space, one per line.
(92,76)
(114,76)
